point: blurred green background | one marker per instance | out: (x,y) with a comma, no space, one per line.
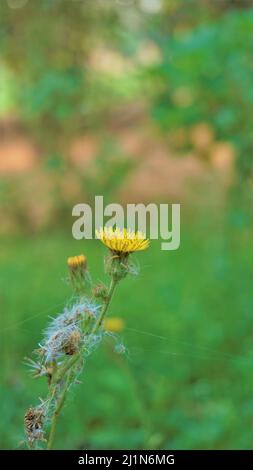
(138,101)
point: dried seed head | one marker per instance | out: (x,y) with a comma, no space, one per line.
(72,344)
(39,369)
(74,315)
(33,422)
(59,332)
(58,340)
(40,352)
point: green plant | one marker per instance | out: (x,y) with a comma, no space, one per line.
(72,336)
(205,75)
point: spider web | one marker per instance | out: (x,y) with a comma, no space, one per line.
(198,351)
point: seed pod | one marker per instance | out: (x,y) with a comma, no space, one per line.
(71,346)
(117,265)
(33,422)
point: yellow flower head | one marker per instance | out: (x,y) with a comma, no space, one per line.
(122,241)
(77,262)
(114,324)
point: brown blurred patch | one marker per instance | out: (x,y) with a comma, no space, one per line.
(18,154)
(83,151)
(157,173)
(109,61)
(222,155)
(135,143)
(161,174)
(202,136)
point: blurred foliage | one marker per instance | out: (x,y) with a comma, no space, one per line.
(110,169)
(205,76)
(46,48)
(70,64)
(52,80)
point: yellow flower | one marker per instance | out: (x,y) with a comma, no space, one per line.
(122,241)
(77,262)
(78,272)
(114,324)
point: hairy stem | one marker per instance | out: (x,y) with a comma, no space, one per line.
(68,367)
(105,308)
(57,412)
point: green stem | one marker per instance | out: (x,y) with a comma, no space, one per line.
(66,369)
(57,413)
(105,308)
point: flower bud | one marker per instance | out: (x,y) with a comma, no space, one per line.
(100,292)
(77,264)
(78,271)
(117,266)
